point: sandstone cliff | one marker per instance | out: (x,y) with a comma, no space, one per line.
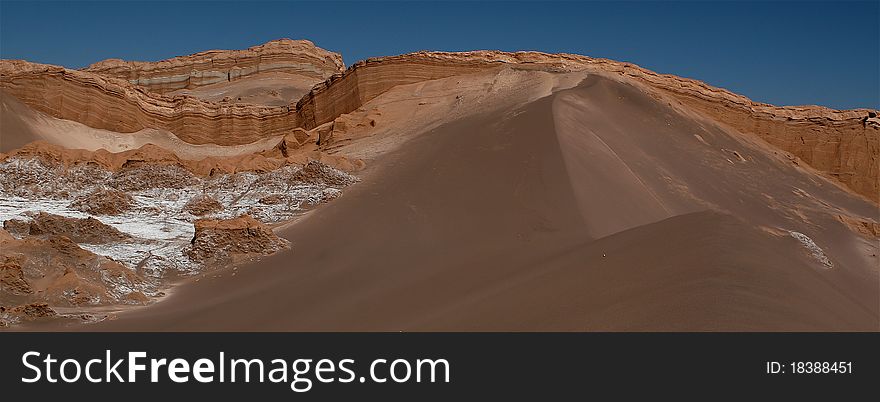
(116,105)
(841,144)
(844,144)
(295,57)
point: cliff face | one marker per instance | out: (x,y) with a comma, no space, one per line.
(841,144)
(296,57)
(844,144)
(365,80)
(116,105)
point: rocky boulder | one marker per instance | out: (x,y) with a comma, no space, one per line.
(103,201)
(79,230)
(222,239)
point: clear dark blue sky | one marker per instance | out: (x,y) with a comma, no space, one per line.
(787,53)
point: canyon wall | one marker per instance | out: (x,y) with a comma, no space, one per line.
(296,57)
(365,80)
(116,105)
(842,144)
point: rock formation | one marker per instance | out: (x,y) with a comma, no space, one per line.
(26,312)
(85,230)
(841,144)
(294,57)
(315,172)
(250,164)
(12,278)
(133,168)
(103,201)
(57,271)
(222,239)
(15,227)
(203,205)
(116,105)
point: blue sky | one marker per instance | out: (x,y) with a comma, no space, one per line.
(786,53)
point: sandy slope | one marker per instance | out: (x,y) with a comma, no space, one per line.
(597,208)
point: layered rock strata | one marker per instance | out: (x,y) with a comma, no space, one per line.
(841,144)
(295,57)
(222,239)
(116,105)
(844,144)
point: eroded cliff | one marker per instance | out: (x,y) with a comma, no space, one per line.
(844,144)
(294,57)
(841,144)
(116,105)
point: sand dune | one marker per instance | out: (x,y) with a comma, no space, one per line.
(596,208)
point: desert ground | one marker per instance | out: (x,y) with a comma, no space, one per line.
(276,190)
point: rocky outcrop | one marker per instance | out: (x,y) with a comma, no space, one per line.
(26,312)
(203,205)
(223,239)
(116,105)
(367,79)
(16,227)
(147,157)
(158,228)
(33,310)
(867,228)
(272,199)
(289,143)
(85,230)
(296,57)
(12,278)
(103,201)
(148,166)
(126,97)
(55,270)
(841,144)
(316,172)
